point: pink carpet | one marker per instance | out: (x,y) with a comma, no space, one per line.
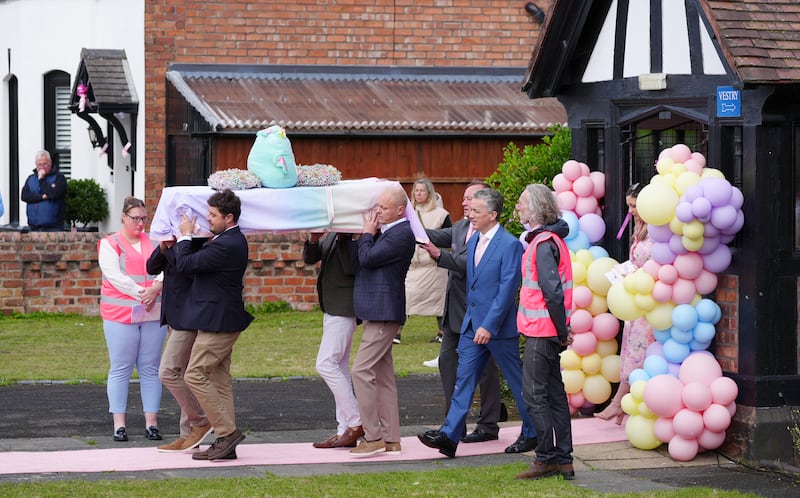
(584,431)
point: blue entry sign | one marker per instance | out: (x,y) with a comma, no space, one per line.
(729,102)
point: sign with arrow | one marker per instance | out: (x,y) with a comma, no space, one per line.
(729,102)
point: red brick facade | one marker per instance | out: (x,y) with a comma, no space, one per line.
(726,343)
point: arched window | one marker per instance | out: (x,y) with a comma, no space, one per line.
(57,119)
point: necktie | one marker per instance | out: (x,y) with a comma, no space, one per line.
(482,243)
(470,231)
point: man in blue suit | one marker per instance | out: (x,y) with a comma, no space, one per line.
(489,328)
(380,263)
(218,315)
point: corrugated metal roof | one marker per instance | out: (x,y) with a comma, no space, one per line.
(336,99)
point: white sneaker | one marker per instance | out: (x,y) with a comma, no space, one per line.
(434,363)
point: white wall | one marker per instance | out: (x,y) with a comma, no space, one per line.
(46,35)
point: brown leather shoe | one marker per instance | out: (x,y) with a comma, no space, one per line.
(225,445)
(328,443)
(203,455)
(567,470)
(539,470)
(349,438)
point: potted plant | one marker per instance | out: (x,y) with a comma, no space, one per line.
(85,203)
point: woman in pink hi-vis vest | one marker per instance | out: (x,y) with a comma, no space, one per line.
(130,306)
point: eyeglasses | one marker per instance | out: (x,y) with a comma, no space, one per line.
(137,219)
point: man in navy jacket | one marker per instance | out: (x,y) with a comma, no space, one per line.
(44,192)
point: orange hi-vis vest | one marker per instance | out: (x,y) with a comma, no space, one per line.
(115,305)
(533,319)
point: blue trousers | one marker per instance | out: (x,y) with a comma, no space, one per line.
(472,359)
(134,345)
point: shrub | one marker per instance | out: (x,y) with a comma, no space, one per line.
(85,202)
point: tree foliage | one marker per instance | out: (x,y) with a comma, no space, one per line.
(534,164)
(85,202)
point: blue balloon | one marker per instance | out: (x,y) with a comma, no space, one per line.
(662,335)
(572,220)
(684,316)
(655,365)
(708,311)
(638,374)
(704,332)
(578,242)
(682,336)
(675,352)
(696,345)
(598,252)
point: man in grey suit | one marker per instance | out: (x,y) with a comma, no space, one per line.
(455,260)
(380,261)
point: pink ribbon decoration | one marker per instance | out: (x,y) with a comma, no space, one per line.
(624,224)
(82,91)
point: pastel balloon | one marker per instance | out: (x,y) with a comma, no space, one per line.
(640,432)
(596,275)
(561,184)
(583,186)
(570,360)
(676,227)
(688,265)
(710,440)
(696,345)
(731,409)
(591,364)
(724,390)
(655,365)
(581,321)
(676,352)
(700,367)
(611,367)
(578,275)
(581,295)
(693,230)
(578,242)
(717,191)
(692,244)
(701,207)
(700,158)
(599,305)
(663,429)
(710,242)
(682,449)
(704,332)
(651,268)
(661,336)
(664,163)
(668,274)
(572,222)
(599,182)
(706,282)
(584,169)
(656,204)
(737,225)
(598,252)
(605,326)
(688,423)
(585,205)
(659,233)
(683,212)
(567,200)
(676,244)
(577,400)
(660,317)
(621,303)
(638,375)
(605,348)
(571,170)
(654,349)
(737,198)
(716,418)
(680,153)
(684,317)
(683,291)
(583,255)
(712,173)
(686,179)
(661,253)
(629,404)
(674,369)
(584,344)
(573,380)
(593,226)
(663,395)
(723,217)
(596,389)
(681,336)
(697,396)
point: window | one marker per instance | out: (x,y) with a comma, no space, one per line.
(57,120)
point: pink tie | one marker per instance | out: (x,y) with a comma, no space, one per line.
(482,243)
(469,233)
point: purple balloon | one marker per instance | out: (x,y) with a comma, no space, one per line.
(674,369)
(723,217)
(656,349)
(659,233)
(683,211)
(692,192)
(701,208)
(710,244)
(661,253)
(593,226)
(718,260)
(737,198)
(726,238)
(676,245)
(717,191)
(736,226)
(710,230)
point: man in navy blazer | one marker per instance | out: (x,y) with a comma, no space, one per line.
(380,263)
(218,315)
(489,327)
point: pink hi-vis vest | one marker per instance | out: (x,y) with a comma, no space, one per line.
(115,305)
(533,319)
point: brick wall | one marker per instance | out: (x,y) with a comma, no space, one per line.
(368,32)
(726,341)
(58,272)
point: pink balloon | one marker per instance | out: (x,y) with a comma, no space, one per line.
(706,282)
(710,440)
(717,191)
(663,429)
(662,394)
(682,449)
(661,253)
(668,274)
(688,423)
(662,292)
(581,321)
(566,200)
(652,268)
(689,265)
(700,158)
(680,153)
(592,225)
(584,344)
(719,260)
(731,409)
(571,170)
(561,184)
(724,390)
(577,400)
(696,396)
(683,291)
(693,165)
(582,296)
(716,418)
(583,186)
(584,169)
(585,205)
(605,326)
(599,183)
(700,366)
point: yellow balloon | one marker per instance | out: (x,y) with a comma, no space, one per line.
(685,180)
(644,302)
(677,170)
(605,348)
(692,244)
(599,305)
(573,380)
(620,303)
(676,226)
(656,203)
(641,433)
(584,256)
(629,281)
(629,405)
(667,180)
(596,389)
(643,282)
(696,299)
(660,317)
(596,275)
(637,390)
(644,411)
(591,364)
(611,367)
(570,360)
(694,229)
(578,272)
(664,165)
(712,173)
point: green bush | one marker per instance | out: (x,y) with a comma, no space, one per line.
(534,164)
(85,202)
